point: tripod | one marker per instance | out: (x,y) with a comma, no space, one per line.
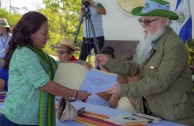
(89,24)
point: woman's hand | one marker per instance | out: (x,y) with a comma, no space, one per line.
(82,95)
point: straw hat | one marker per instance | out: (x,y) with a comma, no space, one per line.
(155,8)
(67,42)
(4,23)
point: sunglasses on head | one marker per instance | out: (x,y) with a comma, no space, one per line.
(147,22)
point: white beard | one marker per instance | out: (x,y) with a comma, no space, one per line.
(145,45)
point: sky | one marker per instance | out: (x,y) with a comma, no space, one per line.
(29,4)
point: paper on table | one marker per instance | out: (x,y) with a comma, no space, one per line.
(128,118)
(98,81)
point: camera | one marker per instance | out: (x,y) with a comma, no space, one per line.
(85,3)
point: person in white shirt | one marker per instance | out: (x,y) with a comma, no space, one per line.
(94,11)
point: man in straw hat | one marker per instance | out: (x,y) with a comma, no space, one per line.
(165,85)
(66,49)
(5,35)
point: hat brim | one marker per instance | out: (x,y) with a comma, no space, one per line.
(72,47)
(5,26)
(158,12)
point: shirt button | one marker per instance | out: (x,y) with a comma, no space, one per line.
(152,67)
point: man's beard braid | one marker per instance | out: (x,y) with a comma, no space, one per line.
(145,45)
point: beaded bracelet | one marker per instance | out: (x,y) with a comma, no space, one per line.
(74,96)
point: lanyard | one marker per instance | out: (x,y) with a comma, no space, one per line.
(4,42)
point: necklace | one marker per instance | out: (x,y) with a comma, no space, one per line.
(4,42)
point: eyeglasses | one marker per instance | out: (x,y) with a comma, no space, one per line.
(61,52)
(147,22)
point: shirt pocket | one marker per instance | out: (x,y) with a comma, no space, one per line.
(173,112)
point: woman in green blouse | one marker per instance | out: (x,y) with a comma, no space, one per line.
(30,98)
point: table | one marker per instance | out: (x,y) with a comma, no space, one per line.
(109,112)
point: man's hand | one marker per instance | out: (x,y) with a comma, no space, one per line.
(115,90)
(101,59)
(122,80)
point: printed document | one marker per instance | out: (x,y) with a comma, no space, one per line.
(98,81)
(76,76)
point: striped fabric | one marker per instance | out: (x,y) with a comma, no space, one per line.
(93,119)
(47,102)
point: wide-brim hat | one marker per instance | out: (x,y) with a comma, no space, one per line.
(155,8)
(67,42)
(4,23)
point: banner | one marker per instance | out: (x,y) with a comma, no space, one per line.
(183,26)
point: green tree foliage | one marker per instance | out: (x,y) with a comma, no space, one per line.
(12,18)
(63,16)
(190,47)
(63,19)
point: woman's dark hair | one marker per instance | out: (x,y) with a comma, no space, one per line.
(28,24)
(108,50)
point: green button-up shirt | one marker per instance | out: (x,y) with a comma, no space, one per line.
(26,75)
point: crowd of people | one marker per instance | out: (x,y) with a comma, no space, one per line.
(157,81)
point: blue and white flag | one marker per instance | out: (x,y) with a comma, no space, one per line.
(183,26)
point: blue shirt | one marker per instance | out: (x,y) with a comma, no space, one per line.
(4,76)
(4,40)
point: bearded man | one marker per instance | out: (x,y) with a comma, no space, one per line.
(165,85)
